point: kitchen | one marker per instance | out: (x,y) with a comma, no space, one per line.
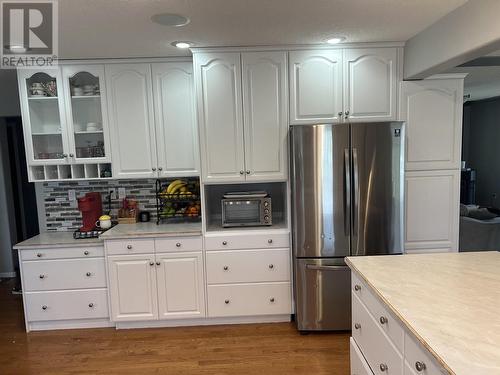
(198,193)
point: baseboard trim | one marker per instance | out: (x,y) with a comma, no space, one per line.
(8,275)
(204,321)
(69,324)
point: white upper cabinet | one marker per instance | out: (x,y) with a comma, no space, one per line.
(315,86)
(218,90)
(432,110)
(131,120)
(175,119)
(370,84)
(265,115)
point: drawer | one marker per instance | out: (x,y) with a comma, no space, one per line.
(249,299)
(415,352)
(61,253)
(65,305)
(64,274)
(248,266)
(164,245)
(247,241)
(132,246)
(359,366)
(391,325)
(380,353)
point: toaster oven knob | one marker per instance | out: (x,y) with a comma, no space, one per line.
(266,218)
(266,211)
(266,204)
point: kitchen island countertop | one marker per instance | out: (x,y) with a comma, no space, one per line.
(450,302)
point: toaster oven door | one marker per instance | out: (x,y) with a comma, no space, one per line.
(238,213)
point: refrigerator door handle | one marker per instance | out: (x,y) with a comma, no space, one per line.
(325,268)
(347,191)
(355,215)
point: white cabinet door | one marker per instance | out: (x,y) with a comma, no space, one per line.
(175,120)
(180,285)
(432,110)
(265,115)
(432,211)
(131,120)
(218,90)
(315,86)
(132,287)
(370,84)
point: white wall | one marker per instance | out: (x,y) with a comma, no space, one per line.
(468,32)
(9,93)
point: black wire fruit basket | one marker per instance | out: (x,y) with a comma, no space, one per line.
(178,200)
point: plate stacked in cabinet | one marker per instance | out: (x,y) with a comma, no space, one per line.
(64,287)
(248,274)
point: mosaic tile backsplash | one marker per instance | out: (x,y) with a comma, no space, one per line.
(63,215)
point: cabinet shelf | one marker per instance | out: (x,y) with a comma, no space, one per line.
(89,132)
(34,98)
(46,133)
(85,96)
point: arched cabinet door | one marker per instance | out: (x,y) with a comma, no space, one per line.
(44,121)
(315,86)
(370,84)
(220,116)
(131,118)
(265,115)
(175,119)
(86,112)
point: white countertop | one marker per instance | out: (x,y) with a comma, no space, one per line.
(151,229)
(56,239)
(451,303)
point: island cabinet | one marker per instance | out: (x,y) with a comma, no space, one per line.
(155,279)
(380,343)
(355,85)
(242,114)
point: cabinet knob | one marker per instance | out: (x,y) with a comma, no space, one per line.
(158,263)
(357,326)
(383,320)
(86,252)
(242,172)
(44,307)
(357,287)
(383,367)
(71,155)
(160,168)
(270,241)
(347,113)
(39,255)
(226,268)
(248,172)
(88,274)
(65,155)
(271,299)
(129,247)
(420,366)
(224,243)
(340,113)
(226,302)
(271,266)
(178,244)
(151,263)
(42,276)
(91,305)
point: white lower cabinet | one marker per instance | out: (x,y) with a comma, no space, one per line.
(359,366)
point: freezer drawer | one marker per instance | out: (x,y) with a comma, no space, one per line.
(322,294)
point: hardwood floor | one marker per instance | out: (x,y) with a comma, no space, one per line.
(233,349)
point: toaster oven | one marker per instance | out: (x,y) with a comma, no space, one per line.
(246,209)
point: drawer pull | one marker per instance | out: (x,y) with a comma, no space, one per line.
(91,305)
(383,367)
(357,287)
(269,241)
(357,326)
(383,320)
(226,302)
(86,252)
(178,244)
(88,274)
(271,299)
(129,247)
(42,276)
(158,263)
(39,255)
(151,263)
(271,266)
(420,366)
(224,243)
(44,307)
(226,268)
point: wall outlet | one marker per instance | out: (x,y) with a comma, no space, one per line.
(121,193)
(72,198)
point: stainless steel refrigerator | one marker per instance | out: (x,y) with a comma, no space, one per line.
(347,200)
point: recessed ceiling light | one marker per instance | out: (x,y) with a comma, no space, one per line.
(17,49)
(170,19)
(335,39)
(182,45)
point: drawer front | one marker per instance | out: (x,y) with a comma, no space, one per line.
(249,299)
(418,360)
(225,267)
(133,246)
(164,245)
(380,353)
(65,305)
(64,274)
(63,253)
(247,241)
(359,366)
(390,325)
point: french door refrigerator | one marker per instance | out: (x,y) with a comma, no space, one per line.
(347,200)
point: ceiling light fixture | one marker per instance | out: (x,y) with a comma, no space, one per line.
(170,19)
(335,40)
(182,45)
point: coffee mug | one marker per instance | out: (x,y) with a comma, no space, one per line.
(104,222)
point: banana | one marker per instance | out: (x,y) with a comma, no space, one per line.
(173,184)
(177,188)
(184,188)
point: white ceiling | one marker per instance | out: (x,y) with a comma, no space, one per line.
(482,82)
(122,28)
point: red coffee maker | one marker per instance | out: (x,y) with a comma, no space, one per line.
(91,207)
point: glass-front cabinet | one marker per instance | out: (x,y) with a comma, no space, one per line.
(65,122)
